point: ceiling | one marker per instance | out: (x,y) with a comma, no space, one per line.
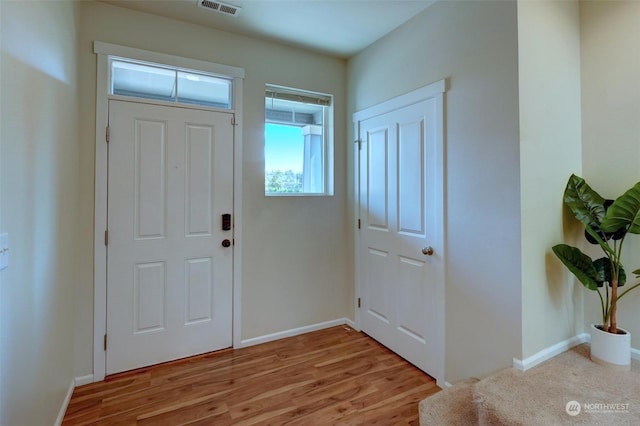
(336,27)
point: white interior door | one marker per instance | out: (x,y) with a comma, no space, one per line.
(169,278)
(401,243)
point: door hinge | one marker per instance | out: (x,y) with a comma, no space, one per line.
(359,142)
(358,307)
(106,237)
(359,224)
(107,135)
(105,342)
(233,120)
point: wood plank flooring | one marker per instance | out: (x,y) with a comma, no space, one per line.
(336,376)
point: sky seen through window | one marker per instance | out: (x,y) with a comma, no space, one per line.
(284,148)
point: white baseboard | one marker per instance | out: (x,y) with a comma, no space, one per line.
(65,404)
(350,323)
(295,332)
(550,352)
(558,348)
(84,380)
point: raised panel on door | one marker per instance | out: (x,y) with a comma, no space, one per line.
(199,290)
(411,184)
(412,317)
(149,293)
(169,282)
(150,178)
(377,158)
(378,306)
(199,180)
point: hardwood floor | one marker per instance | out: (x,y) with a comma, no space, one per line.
(336,376)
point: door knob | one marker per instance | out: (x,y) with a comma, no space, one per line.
(226,243)
(427,251)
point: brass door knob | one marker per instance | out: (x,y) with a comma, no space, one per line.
(427,251)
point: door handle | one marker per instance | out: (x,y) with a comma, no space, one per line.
(226,243)
(427,251)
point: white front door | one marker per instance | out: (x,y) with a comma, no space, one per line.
(401,242)
(169,277)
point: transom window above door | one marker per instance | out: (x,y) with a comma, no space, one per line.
(163,83)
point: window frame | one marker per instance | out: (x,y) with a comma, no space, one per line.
(306,97)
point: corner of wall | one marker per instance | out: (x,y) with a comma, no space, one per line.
(550,150)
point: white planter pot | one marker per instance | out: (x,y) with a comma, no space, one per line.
(611,350)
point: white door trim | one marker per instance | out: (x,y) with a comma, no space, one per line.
(435,90)
(103,51)
(413,97)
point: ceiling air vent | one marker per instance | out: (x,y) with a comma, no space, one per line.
(227,9)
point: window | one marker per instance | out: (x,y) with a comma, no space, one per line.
(298,145)
(153,81)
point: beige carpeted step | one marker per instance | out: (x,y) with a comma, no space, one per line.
(453,406)
(540,396)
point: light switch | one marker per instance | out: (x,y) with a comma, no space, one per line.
(4,250)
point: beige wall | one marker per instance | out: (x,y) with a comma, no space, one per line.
(611,124)
(550,150)
(474,46)
(40,201)
(295,262)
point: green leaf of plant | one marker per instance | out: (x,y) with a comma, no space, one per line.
(622,277)
(579,264)
(637,273)
(624,212)
(603,272)
(585,203)
(598,238)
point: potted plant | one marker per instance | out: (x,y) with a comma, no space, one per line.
(607,223)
